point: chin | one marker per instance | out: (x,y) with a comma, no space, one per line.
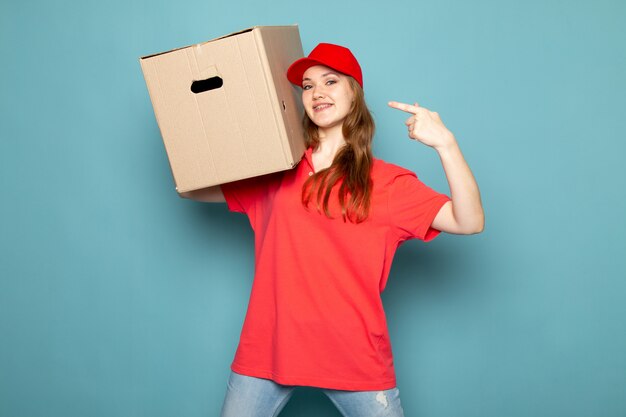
(324,121)
(324,125)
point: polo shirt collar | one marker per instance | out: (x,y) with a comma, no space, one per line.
(308,155)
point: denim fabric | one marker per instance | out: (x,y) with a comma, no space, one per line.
(248,396)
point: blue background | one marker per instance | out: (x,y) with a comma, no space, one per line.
(117,298)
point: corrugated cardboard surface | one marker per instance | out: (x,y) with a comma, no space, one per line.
(250,126)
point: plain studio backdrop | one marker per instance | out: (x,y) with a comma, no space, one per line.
(118,298)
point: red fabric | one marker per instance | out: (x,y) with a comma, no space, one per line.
(315,315)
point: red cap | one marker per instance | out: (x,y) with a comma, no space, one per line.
(336,57)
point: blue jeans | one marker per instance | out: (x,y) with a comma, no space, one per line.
(248,396)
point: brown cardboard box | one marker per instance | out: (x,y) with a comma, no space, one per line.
(225,108)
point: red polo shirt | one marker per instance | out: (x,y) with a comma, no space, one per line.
(315,315)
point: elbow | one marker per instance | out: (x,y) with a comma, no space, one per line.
(479,226)
(479,229)
(476,227)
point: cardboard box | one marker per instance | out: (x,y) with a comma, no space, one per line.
(225,108)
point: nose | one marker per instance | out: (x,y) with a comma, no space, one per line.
(318,92)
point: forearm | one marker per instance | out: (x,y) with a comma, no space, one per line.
(466,205)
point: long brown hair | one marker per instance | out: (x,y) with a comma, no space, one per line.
(351,165)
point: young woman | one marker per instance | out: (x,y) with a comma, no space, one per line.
(325,235)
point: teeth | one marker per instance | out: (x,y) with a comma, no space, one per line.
(321,106)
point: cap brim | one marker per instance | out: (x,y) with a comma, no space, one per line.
(297,69)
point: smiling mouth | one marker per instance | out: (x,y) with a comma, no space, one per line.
(321,107)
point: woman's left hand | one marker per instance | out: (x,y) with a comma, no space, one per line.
(425,126)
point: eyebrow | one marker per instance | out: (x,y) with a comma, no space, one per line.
(323,75)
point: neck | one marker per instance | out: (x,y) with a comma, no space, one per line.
(331,140)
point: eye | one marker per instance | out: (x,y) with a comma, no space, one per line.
(329,82)
(306,87)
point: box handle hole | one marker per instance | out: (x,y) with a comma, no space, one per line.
(205,85)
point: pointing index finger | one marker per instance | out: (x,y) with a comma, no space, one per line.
(404,107)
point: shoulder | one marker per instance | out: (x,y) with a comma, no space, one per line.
(385,173)
(252,189)
(256,182)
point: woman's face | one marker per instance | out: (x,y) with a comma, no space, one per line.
(326,95)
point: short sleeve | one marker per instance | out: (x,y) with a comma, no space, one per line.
(245,196)
(413,206)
